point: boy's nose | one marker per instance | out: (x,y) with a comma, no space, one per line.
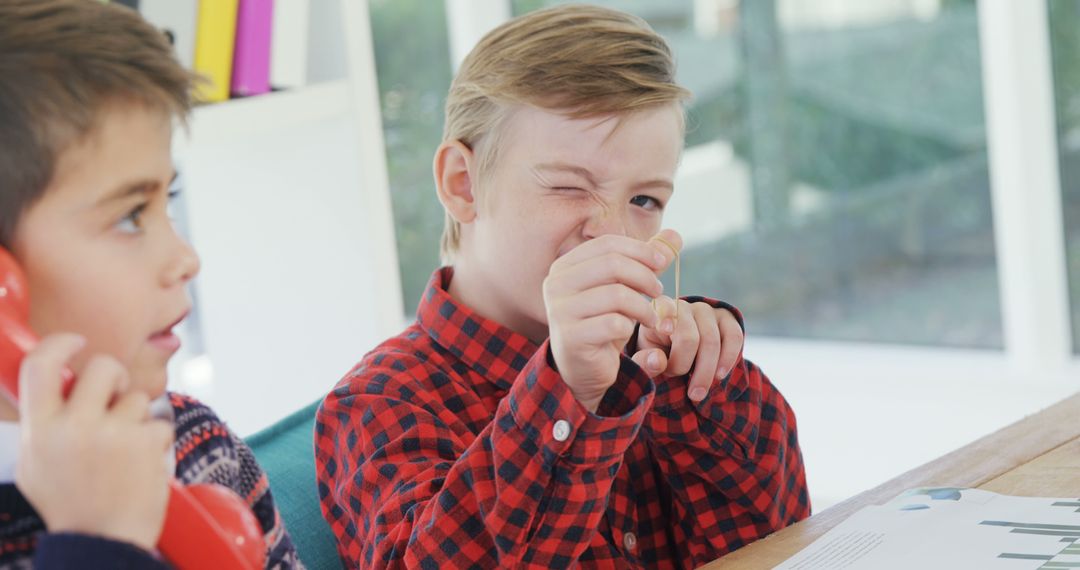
(605,222)
(184,267)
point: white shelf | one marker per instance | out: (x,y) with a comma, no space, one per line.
(287,203)
(255,116)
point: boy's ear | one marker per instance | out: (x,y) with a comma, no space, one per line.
(454,180)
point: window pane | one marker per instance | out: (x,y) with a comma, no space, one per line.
(413,67)
(835,183)
(1065,44)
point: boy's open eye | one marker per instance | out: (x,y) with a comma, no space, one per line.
(647,202)
(131,223)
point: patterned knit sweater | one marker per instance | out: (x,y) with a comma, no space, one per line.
(206,452)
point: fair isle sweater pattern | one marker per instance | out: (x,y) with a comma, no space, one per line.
(206,452)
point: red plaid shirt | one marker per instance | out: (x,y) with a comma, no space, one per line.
(456,444)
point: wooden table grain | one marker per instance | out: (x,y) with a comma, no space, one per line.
(1038,456)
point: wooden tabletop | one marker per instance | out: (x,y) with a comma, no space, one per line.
(1038,456)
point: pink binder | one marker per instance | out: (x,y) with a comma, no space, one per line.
(251,58)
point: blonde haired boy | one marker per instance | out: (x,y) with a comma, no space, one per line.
(540,412)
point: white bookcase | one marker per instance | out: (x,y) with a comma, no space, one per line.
(285,197)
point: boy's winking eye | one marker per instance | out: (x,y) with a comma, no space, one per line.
(562,176)
(566,175)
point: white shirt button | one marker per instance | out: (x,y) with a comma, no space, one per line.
(561,431)
(629,541)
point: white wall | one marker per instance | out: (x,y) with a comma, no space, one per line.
(285,297)
(869,413)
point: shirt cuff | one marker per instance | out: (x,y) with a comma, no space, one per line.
(717,418)
(542,405)
(73,550)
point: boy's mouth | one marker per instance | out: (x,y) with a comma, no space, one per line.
(165,339)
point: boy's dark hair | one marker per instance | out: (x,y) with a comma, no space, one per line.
(61,63)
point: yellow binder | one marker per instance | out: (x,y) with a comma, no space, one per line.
(214,42)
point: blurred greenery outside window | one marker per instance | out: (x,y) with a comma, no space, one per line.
(1065,45)
(412,60)
(835,183)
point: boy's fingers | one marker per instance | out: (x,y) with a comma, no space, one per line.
(606,269)
(132,406)
(604,328)
(666,310)
(608,299)
(99,381)
(653,361)
(40,375)
(638,250)
(708,353)
(667,243)
(731,343)
(684,342)
(649,337)
(161,434)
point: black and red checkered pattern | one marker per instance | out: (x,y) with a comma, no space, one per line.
(457,445)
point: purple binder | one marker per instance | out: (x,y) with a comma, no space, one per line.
(251,58)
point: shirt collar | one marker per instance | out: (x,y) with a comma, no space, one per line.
(493,351)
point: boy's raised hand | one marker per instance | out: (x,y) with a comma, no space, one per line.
(704,339)
(94,463)
(688,336)
(595,296)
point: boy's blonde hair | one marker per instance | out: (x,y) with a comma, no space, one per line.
(61,63)
(583,61)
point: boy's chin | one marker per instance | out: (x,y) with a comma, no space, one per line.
(150,380)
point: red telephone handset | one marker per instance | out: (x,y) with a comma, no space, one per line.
(206,525)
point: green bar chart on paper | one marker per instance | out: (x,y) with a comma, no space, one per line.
(1069,534)
(951,528)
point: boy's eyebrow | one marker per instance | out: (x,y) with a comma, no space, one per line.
(661,183)
(136,187)
(587,175)
(564,167)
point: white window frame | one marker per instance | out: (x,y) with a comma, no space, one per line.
(379,214)
(1018,91)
